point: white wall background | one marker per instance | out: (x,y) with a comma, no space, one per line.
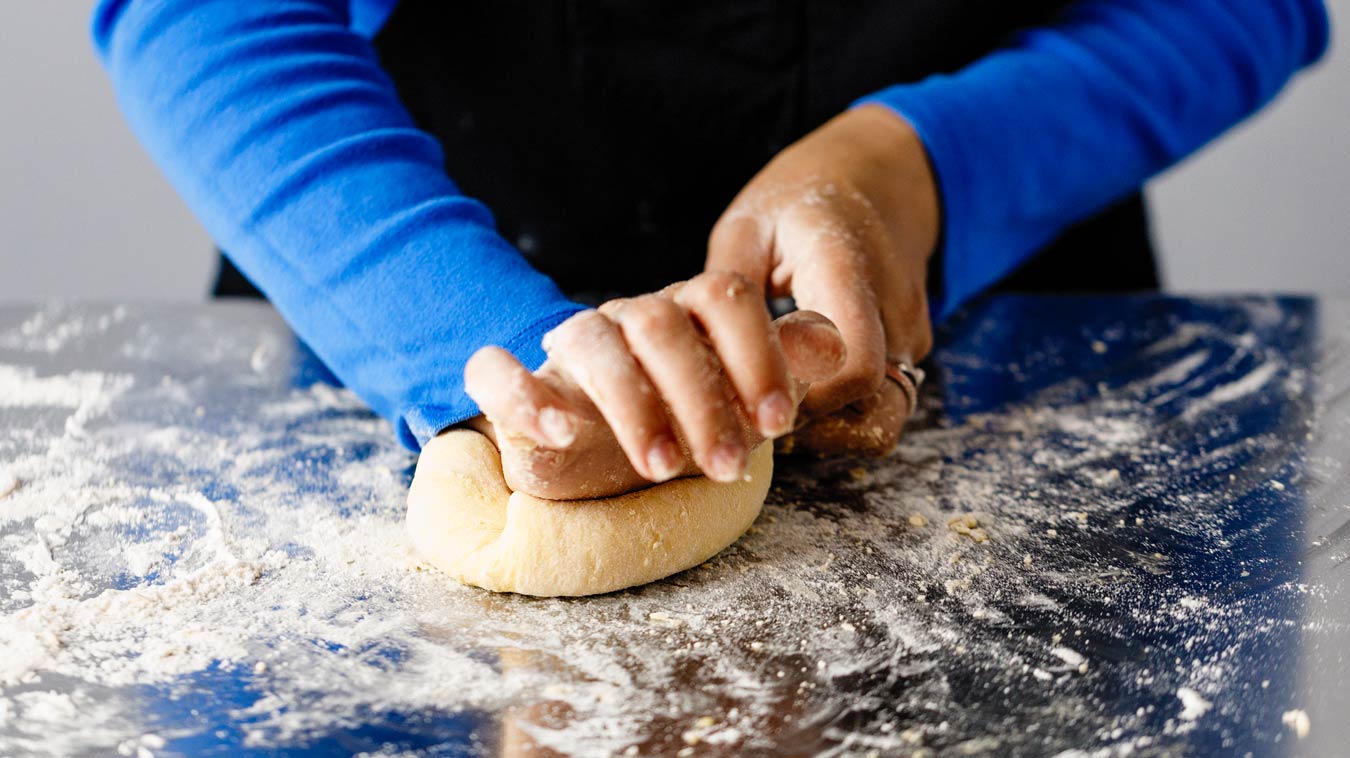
(84,214)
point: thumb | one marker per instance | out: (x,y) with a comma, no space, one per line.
(812,347)
(741,244)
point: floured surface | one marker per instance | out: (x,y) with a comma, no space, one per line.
(1090,542)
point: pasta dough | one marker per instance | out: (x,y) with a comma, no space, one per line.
(465,520)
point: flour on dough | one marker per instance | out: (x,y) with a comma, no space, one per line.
(465,520)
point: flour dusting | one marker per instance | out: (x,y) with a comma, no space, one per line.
(241,551)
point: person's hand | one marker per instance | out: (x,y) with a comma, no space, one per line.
(844,222)
(646,389)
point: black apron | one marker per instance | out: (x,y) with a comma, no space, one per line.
(608,136)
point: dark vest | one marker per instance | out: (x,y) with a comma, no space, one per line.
(608,136)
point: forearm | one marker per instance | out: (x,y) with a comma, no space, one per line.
(277,125)
(1069,117)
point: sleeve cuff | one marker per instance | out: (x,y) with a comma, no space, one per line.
(423,421)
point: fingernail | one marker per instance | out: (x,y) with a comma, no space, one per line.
(727,462)
(663,459)
(774,415)
(557,427)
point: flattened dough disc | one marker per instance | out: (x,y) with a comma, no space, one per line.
(465,520)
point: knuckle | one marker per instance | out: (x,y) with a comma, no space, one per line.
(585,325)
(650,316)
(611,308)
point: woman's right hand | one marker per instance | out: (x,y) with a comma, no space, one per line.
(645,389)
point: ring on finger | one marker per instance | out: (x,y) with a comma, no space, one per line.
(909,377)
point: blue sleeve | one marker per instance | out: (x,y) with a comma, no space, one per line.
(1070,117)
(279,128)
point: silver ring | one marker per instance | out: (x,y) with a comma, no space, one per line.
(909,378)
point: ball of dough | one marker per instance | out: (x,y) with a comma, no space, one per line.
(465,520)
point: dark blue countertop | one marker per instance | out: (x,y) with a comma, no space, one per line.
(1118,526)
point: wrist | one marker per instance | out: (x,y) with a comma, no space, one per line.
(900,179)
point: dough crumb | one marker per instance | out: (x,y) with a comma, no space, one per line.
(700,730)
(857,473)
(918,520)
(1098,347)
(1104,478)
(967,525)
(1298,721)
(1068,655)
(662,618)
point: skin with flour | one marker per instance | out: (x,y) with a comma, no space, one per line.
(694,379)
(843,221)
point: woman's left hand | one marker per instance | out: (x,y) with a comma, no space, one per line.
(844,221)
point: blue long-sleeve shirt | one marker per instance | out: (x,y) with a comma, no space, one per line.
(276,123)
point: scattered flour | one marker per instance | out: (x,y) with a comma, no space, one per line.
(1193,704)
(236,527)
(1297,720)
(1227,393)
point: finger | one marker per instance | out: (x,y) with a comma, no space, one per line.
(834,282)
(516,400)
(674,356)
(741,243)
(611,307)
(812,346)
(589,349)
(732,312)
